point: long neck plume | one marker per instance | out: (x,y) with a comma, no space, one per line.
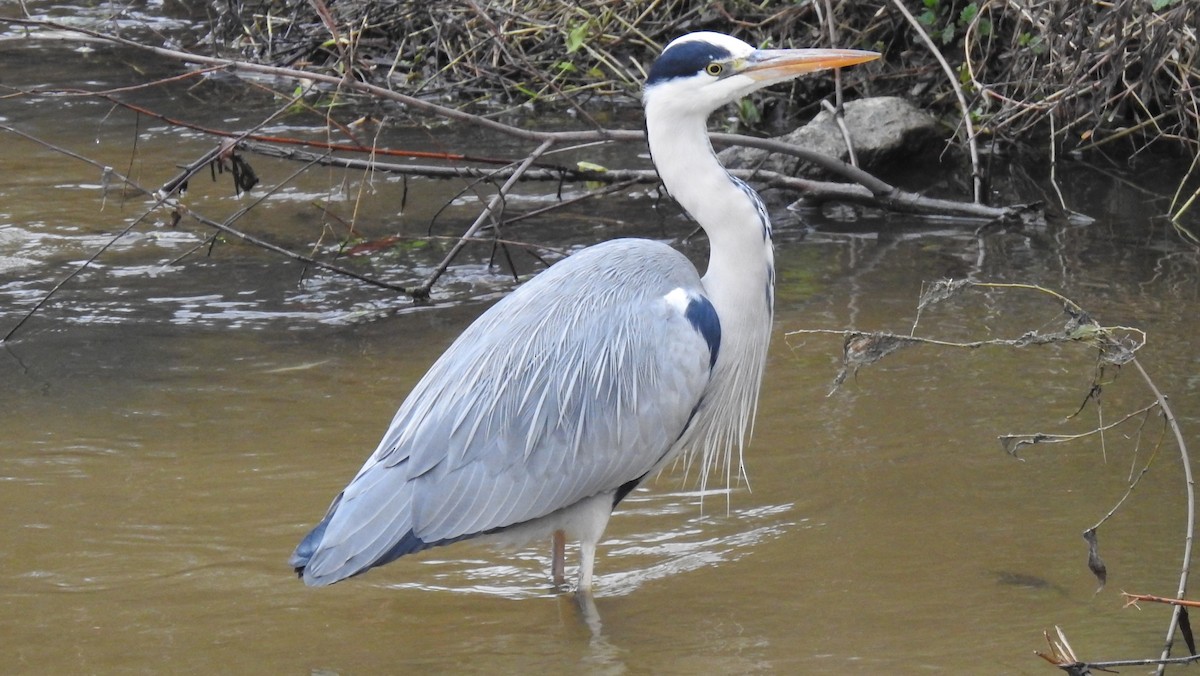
(739,280)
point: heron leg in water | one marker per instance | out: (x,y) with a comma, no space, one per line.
(587,560)
(558,564)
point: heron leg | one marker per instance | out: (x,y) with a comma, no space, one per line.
(558,562)
(586,604)
(587,562)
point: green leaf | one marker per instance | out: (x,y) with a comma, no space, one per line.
(576,36)
(412,244)
(948,34)
(749,112)
(1084,332)
(529,93)
(927,17)
(594,168)
(968,14)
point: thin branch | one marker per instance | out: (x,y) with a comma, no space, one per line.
(1134,480)
(1190,487)
(246,237)
(422,292)
(862,348)
(1013,442)
(161,199)
(878,191)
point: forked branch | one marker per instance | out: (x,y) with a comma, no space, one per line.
(1115,345)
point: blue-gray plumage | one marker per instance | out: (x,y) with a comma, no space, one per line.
(562,397)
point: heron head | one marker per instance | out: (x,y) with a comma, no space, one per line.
(704,71)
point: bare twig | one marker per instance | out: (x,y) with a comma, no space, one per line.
(1190,488)
(1014,442)
(422,292)
(878,192)
(1135,599)
(864,348)
(836,109)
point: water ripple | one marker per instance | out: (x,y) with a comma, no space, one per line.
(631,559)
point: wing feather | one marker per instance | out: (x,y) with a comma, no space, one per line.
(577,383)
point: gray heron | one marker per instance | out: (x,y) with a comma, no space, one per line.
(564,396)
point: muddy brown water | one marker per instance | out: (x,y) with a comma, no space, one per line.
(168,430)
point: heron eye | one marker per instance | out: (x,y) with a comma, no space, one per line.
(714,69)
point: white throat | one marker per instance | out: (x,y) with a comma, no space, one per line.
(741,258)
(740,277)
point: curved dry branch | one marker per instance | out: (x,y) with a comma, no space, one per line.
(863,348)
(1190,487)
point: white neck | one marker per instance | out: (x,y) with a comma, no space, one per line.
(739,280)
(741,259)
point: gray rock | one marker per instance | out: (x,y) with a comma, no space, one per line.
(883,130)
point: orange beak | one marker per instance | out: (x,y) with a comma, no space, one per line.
(777,65)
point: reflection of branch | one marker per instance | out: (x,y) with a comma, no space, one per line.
(112,175)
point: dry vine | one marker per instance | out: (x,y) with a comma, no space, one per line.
(1115,346)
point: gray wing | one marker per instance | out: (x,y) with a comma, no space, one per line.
(577,383)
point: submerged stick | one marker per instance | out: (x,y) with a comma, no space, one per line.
(870,347)
(1190,487)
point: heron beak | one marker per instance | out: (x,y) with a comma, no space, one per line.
(777,65)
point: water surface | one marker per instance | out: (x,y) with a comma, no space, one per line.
(176,417)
